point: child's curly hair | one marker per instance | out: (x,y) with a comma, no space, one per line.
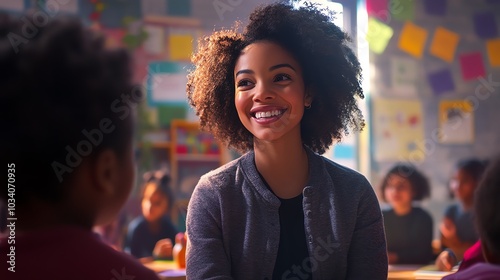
(57,83)
(418,182)
(332,75)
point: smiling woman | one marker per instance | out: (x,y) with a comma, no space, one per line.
(282,91)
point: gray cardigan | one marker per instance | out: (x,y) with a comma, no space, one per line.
(233,225)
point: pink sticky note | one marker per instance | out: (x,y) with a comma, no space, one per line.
(377,9)
(472,66)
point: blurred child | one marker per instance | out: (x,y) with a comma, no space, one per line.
(153,234)
(487,220)
(408,228)
(67,126)
(457,228)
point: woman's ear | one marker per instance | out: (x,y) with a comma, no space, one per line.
(308,98)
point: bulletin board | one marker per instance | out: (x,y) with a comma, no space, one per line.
(166,83)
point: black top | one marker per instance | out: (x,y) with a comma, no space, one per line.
(409,236)
(293,257)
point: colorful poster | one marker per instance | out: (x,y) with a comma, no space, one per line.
(166,83)
(404,76)
(155,42)
(456,122)
(398,130)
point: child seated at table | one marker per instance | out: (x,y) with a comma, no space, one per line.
(457,228)
(67,139)
(408,228)
(487,218)
(152,233)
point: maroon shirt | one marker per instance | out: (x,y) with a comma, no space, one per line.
(68,253)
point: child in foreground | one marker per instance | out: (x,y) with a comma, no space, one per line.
(67,120)
(281,91)
(487,220)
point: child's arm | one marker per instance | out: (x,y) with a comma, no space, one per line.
(449,238)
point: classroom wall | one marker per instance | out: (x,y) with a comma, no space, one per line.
(434,158)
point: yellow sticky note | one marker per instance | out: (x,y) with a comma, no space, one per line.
(493,47)
(412,39)
(181,47)
(444,44)
(378,35)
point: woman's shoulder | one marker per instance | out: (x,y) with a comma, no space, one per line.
(344,174)
(224,176)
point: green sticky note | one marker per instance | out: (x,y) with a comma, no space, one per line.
(402,9)
(378,35)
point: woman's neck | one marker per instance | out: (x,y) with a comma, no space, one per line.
(284,165)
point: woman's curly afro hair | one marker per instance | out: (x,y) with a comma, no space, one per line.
(332,74)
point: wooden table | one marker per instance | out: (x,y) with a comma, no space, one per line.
(167,270)
(415,272)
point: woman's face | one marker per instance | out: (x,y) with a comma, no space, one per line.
(270,93)
(154,203)
(398,192)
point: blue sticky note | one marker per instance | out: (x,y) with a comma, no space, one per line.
(485,25)
(435,7)
(441,81)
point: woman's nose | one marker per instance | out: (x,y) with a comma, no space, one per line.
(263,92)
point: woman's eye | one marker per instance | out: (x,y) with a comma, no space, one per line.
(282,77)
(244,83)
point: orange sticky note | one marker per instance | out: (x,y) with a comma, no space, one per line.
(181,47)
(493,47)
(444,44)
(412,39)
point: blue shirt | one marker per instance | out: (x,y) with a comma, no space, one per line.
(141,241)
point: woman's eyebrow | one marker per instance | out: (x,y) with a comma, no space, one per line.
(277,66)
(280,66)
(247,71)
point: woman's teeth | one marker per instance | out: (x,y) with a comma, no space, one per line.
(268,114)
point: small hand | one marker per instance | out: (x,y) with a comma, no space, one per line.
(445,261)
(163,248)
